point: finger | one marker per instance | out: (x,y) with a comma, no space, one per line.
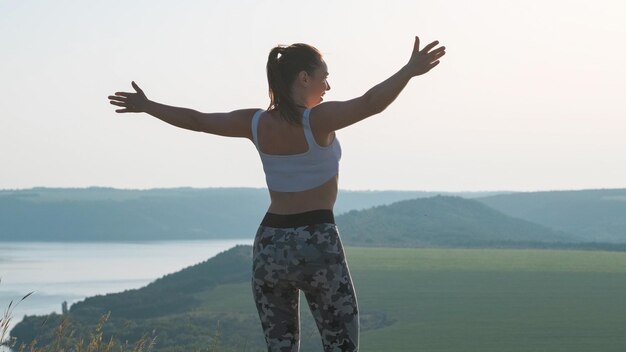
(116,98)
(112,102)
(136,87)
(124,94)
(436,55)
(122,110)
(441,48)
(430,46)
(416,46)
(430,67)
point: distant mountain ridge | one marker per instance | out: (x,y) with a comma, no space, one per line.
(107,214)
(595,215)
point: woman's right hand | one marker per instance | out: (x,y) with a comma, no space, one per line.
(424,60)
(130,102)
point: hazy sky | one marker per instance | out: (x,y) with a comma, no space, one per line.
(530,96)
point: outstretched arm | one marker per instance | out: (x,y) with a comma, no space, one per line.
(231,124)
(335,115)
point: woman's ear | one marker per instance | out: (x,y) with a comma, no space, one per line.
(304,78)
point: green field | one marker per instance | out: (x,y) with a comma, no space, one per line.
(492,300)
(477,300)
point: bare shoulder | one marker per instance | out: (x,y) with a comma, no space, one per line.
(236,123)
(241,116)
(334,115)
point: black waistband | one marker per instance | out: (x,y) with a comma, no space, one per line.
(321,216)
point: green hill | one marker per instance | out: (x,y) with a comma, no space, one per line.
(443,222)
(592,215)
(174,305)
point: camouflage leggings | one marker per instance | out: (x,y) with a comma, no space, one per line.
(308,258)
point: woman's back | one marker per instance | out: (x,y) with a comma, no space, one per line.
(278,137)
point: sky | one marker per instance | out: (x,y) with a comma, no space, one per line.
(529,97)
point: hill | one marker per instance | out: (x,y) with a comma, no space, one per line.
(170,305)
(106,214)
(592,215)
(97,214)
(443,221)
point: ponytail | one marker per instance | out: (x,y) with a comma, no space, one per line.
(283,66)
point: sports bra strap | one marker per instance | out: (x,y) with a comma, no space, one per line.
(308,133)
(255,126)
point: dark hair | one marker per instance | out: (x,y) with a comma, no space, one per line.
(283,66)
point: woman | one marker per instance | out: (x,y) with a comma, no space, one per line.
(297,246)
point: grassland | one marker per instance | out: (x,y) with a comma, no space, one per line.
(492,300)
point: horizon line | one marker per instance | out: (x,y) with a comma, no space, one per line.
(340,189)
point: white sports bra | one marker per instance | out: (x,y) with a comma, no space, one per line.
(299,172)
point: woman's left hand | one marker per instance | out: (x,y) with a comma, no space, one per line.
(424,60)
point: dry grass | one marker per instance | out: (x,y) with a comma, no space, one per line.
(5,320)
(66,341)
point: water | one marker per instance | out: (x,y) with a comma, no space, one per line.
(66,271)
